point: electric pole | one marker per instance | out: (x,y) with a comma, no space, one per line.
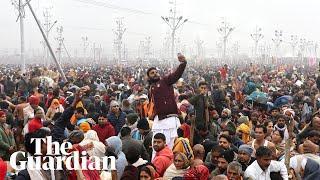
(85,44)
(310,47)
(60,40)
(225,30)
(315,50)
(294,42)
(219,49)
(174,22)
(166,46)
(125,52)
(148,48)
(94,53)
(256,36)
(67,52)
(235,52)
(302,46)
(277,40)
(47,28)
(119,31)
(199,45)
(48,44)
(20,7)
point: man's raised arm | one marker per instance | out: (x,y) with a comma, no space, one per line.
(176,75)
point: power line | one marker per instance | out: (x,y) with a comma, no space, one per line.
(107,5)
(135,11)
(102,29)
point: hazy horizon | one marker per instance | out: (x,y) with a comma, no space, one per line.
(96,20)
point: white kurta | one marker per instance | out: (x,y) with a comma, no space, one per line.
(168,127)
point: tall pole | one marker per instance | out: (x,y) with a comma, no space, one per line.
(65,49)
(174,23)
(85,45)
(293,43)
(20,7)
(148,48)
(256,36)
(94,53)
(22,39)
(60,41)
(303,43)
(315,50)
(277,40)
(174,13)
(225,30)
(100,53)
(48,44)
(119,35)
(47,27)
(199,44)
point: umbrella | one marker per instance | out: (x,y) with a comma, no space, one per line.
(280,101)
(258,97)
(250,87)
(270,106)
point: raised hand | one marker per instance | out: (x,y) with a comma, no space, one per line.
(181,58)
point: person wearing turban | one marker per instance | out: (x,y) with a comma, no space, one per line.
(244,132)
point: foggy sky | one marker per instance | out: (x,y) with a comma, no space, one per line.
(293,17)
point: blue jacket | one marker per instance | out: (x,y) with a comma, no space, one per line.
(117,122)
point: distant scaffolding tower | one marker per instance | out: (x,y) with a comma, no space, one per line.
(118,41)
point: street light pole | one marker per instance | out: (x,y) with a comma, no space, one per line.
(303,43)
(174,23)
(256,36)
(225,30)
(277,41)
(293,43)
(85,45)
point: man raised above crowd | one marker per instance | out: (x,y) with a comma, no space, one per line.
(162,107)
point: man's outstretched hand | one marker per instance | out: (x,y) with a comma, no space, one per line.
(181,58)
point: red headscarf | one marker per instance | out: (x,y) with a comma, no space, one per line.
(35,100)
(198,172)
(2,113)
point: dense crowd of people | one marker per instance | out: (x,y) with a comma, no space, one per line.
(192,122)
